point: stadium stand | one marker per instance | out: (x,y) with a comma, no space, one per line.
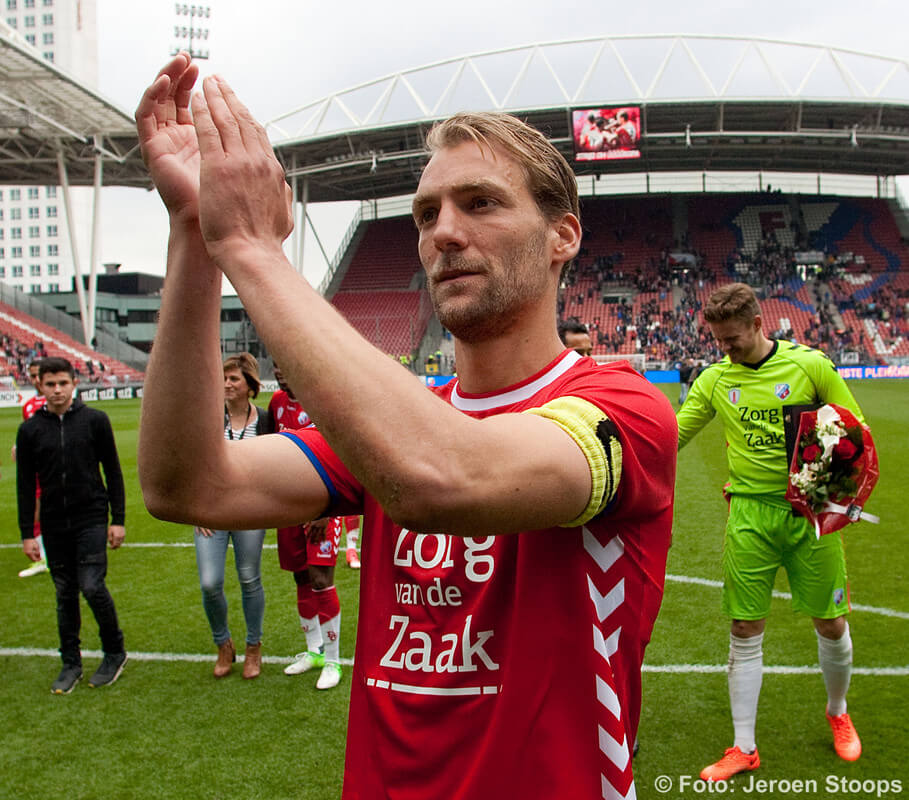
(648,264)
(386,258)
(25,337)
(709,230)
(381,293)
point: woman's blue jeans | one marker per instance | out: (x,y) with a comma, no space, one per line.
(211,558)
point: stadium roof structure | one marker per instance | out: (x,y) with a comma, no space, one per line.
(708,103)
(47,115)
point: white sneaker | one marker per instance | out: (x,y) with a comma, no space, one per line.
(35,569)
(330,677)
(304,662)
(353,560)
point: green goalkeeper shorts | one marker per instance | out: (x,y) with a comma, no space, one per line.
(760,538)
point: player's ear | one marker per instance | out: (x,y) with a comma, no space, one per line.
(568,242)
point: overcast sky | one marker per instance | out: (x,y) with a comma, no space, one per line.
(281,54)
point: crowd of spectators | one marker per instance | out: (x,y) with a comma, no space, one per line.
(649,327)
(17,356)
(672,336)
(771,265)
(888,306)
(634,315)
(826,330)
(690,338)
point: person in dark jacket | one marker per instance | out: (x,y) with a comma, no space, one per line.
(63,446)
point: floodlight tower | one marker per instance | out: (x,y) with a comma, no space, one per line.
(193,34)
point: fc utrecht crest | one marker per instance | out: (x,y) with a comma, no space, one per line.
(735,395)
(782,390)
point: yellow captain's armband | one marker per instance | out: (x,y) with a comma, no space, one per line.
(598,439)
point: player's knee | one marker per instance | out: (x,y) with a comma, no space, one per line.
(746,628)
(830,628)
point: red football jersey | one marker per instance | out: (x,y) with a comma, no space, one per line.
(287,413)
(30,406)
(510,666)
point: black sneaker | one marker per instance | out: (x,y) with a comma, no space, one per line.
(66,681)
(111,666)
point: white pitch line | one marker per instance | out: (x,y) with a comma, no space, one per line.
(137,656)
(670,669)
(687,669)
(884,612)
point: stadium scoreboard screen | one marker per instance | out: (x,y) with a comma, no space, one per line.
(604,134)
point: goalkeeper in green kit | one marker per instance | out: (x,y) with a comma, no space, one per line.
(750,390)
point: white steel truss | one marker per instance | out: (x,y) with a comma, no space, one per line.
(619,69)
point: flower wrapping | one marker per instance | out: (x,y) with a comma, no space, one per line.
(833,470)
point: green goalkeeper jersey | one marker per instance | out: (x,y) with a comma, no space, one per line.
(750,400)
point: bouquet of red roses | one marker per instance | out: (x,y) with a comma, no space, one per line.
(834,468)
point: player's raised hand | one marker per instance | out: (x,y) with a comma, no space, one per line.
(168,139)
(244,198)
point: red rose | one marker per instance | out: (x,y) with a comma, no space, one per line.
(811,452)
(845,450)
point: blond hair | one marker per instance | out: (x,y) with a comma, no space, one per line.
(549,177)
(732,301)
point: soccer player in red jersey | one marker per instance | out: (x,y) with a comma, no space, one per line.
(287,414)
(517,522)
(310,553)
(29,407)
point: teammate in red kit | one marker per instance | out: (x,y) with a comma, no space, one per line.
(488,665)
(284,410)
(29,407)
(310,552)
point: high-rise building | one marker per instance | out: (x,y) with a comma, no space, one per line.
(35,252)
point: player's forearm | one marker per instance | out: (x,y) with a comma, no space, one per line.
(695,414)
(427,464)
(180,423)
(690,423)
(365,404)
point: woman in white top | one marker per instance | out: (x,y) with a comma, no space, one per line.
(242,420)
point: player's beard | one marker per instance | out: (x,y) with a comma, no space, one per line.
(516,282)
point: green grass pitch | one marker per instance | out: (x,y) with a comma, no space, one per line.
(166,729)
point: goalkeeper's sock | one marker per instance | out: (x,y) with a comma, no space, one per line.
(746,666)
(835,658)
(330,621)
